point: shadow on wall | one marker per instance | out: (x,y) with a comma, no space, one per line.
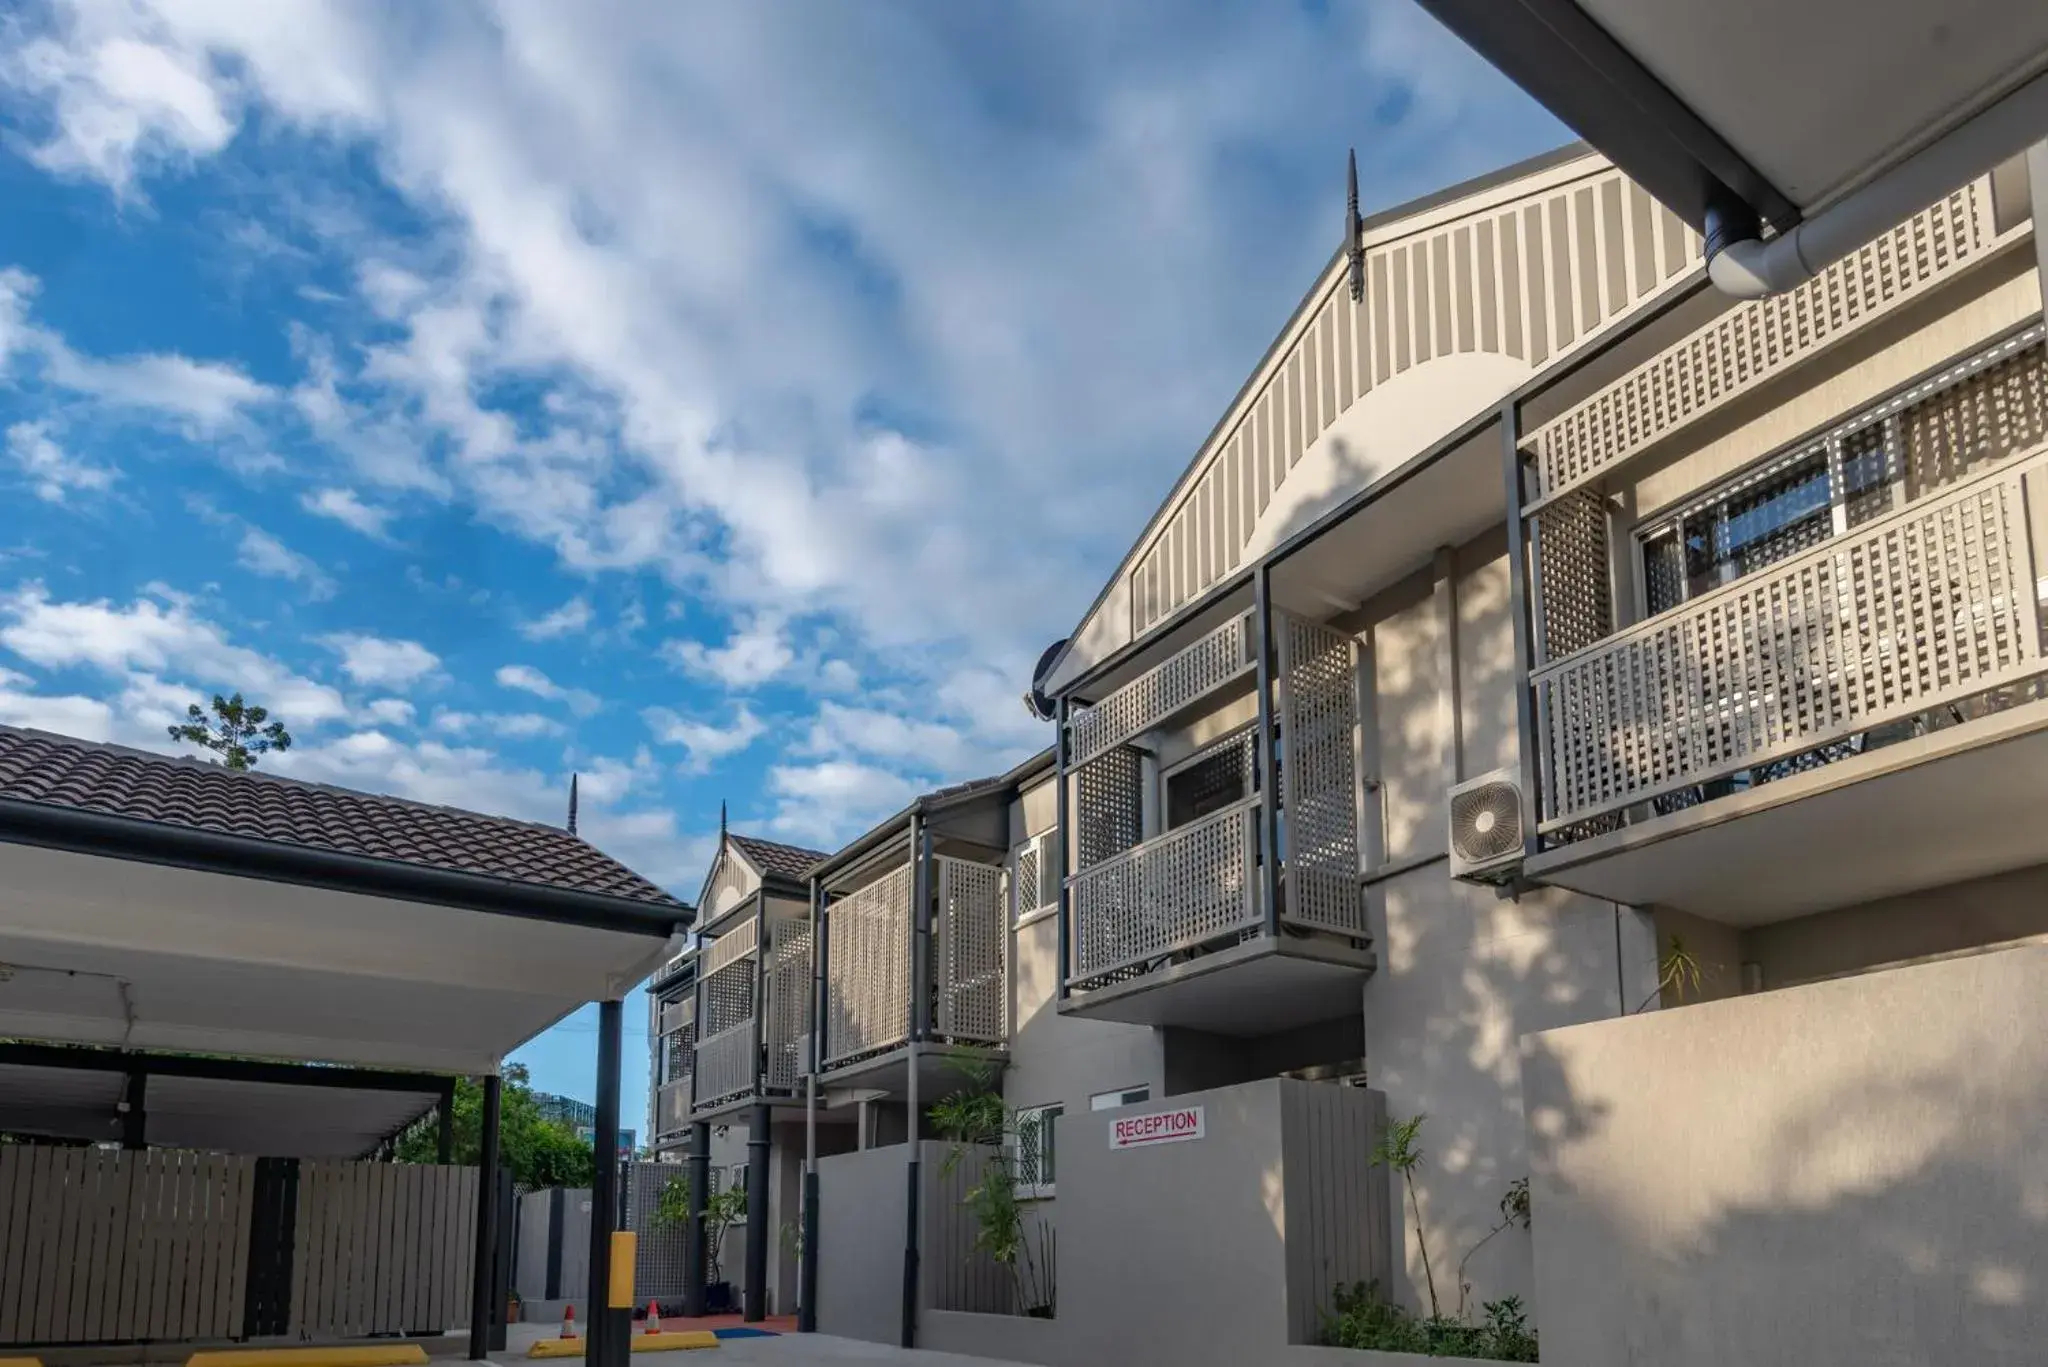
(1848,1172)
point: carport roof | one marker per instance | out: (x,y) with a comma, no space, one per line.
(153,903)
(191,795)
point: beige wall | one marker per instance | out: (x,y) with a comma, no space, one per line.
(1848,1172)
(1463,972)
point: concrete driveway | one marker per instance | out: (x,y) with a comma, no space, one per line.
(789,1350)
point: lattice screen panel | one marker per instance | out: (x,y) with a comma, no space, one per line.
(1214,660)
(1932,604)
(1987,417)
(1180,890)
(1318,716)
(1033,883)
(971,952)
(867,968)
(788,1020)
(1109,806)
(1760,339)
(728,997)
(1573,569)
(728,1065)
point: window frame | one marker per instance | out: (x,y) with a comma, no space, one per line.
(1245,735)
(1046,843)
(1035,1116)
(1135,1095)
(1830,443)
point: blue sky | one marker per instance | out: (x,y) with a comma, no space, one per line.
(722,402)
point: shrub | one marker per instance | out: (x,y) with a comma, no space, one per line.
(1362,1318)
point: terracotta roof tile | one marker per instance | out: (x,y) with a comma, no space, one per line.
(790,861)
(62,771)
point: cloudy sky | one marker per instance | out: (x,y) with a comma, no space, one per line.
(725,402)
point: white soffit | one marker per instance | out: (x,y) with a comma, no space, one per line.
(117,952)
(1823,95)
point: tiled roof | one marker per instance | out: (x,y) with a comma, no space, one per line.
(790,861)
(62,771)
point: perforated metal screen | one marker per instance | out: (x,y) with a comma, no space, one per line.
(867,967)
(971,951)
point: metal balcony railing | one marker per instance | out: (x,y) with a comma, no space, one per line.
(676,1015)
(672,1107)
(727,1065)
(1170,893)
(1924,607)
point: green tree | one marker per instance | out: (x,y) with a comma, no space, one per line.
(540,1152)
(239,733)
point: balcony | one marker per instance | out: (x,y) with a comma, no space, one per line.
(1852,720)
(672,1108)
(1173,927)
(872,1010)
(742,1029)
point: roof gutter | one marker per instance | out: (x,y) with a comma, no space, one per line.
(1743,264)
(119,837)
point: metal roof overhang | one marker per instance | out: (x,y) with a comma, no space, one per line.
(1794,111)
(133,935)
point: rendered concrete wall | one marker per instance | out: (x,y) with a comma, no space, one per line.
(1848,1172)
(1463,973)
(860,1244)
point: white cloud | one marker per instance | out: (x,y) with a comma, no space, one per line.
(160,648)
(825,804)
(705,743)
(52,471)
(567,620)
(345,507)
(527,679)
(389,711)
(877,734)
(756,652)
(379,662)
(67,715)
(206,395)
(261,553)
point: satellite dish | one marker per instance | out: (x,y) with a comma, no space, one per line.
(1035,700)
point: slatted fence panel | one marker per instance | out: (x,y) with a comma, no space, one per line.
(382,1248)
(110,1246)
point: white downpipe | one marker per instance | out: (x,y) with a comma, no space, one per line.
(1750,268)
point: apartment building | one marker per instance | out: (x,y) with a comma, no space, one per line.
(1592,712)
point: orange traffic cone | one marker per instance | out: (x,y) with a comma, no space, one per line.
(569,1321)
(654,1317)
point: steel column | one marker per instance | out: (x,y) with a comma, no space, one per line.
(444,1129)
(1520,609)
(1061,816)
(696,1263)
(610,1330)
(1269,795)
(807,1251)
(482,1282)
(760,1136)
(135,1111)
(920,1025)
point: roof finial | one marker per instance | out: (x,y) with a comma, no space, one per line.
(721,820)
(1354,230)
(572,804)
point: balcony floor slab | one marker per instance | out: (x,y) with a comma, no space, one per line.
(1960,803)
(941,1068)
(1258,988)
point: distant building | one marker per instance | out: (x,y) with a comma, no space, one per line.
(581,1118)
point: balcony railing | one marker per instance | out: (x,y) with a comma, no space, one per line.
(677,1014)
(1920,609)
(727,1065)
(1168,894)
(672,1107)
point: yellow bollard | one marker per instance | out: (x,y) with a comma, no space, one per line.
(625,1250)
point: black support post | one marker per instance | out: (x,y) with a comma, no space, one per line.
(695,1262)
(1062,859)
(444,1136)
(807,1239)
(759,1137)
(610,1330)
(1520,609)
(1269,788)
(483,1282)
(920,1026)
(135,1112)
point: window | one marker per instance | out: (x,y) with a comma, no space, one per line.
(1987,408)
(1035,1154)
(1212,779)
(1109,1101)
(1034,876)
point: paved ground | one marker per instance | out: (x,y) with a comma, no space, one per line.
(787,1350)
